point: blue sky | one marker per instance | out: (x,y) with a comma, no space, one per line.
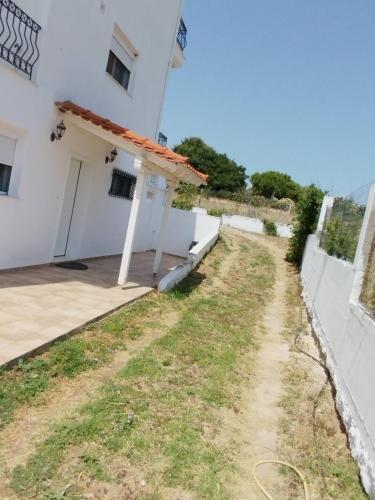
(285,85)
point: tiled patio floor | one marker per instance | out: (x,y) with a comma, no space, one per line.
(40,304)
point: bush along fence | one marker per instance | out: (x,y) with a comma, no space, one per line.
(342,227)
(338,287)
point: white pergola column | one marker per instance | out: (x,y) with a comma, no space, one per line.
(163,226)
(129,239)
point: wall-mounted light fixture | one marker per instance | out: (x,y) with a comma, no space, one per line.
(112,157)
(59,133)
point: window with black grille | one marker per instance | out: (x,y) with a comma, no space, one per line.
(122,185)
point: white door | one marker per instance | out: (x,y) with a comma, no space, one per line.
(70,198)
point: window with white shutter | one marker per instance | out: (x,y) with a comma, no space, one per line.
(120,62)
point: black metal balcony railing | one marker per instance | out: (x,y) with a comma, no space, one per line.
(162,139)
(18,37)
(181,35)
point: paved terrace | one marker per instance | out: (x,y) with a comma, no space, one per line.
(38,305)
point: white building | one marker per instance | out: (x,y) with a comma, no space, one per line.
(63,198)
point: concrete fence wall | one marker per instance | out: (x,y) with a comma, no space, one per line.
(331,290)
(254,225)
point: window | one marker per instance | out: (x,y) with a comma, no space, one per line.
(7,148)
(120,63)
(122,184)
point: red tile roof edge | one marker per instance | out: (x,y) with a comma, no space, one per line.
(129,135)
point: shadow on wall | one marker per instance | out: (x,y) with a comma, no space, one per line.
(185,227)
(181,230)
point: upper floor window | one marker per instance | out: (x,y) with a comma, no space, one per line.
(7,148)
(120,62)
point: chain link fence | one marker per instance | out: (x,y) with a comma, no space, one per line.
(343,224)
(367,297)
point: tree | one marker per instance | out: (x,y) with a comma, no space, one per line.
(273,184)
(224,174)
(307,215)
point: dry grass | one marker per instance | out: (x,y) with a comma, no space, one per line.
(318,446)
(245,210)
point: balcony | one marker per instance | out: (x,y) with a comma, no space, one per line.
(18,38)
(162,139)
(178,55)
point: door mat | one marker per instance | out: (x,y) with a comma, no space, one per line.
(76,266)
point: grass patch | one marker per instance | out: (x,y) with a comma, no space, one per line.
(160,412)
(26,382)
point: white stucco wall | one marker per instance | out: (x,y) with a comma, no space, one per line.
(347,336)
(184,227)
(74,42)
(254,225)
(195,256)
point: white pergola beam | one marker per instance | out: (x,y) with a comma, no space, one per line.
(163,226)
(132,224)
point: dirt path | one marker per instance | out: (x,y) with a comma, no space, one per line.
(257,424)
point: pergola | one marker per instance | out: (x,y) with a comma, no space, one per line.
(149,158)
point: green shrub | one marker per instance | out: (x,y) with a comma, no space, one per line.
(269,227)
(339,240)
(307,215)
(216,212)
(341,231)
(186,195)
(182,204)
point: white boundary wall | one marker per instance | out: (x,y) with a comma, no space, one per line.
(196,254)
(184,227)
(254,225)
(331,289)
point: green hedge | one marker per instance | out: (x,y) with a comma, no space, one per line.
(307,215)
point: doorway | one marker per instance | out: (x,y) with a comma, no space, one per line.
(68,209)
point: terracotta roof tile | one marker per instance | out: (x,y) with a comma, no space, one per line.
(129,135)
